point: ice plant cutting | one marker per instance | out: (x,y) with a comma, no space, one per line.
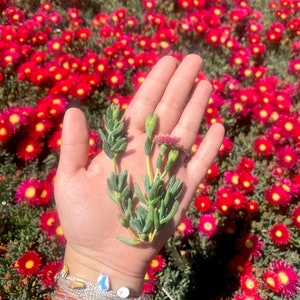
(158,199)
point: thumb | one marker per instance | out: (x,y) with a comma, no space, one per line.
(74,142)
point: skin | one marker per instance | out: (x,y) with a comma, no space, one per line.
(88,216)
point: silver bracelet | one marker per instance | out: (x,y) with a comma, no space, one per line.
(87,290)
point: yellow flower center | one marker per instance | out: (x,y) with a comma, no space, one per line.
(30,192)
(288,158)
(181,226)
(283,278)
(59,231)
(235,179)
(14,118)
(29,148)
(249,244)
(154,263)
(288,126)
(270,281)
(262,147)
(207,226)
(275,197)
(250,283)
(50,221)
(29,264)
(114,79)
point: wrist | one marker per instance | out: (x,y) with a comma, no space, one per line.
(86,268)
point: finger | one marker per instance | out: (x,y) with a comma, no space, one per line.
(75,141)
(188,125)
(177,93)
(206,153)
(150,92)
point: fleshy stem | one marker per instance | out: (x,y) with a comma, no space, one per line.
(159,199)
(150,126)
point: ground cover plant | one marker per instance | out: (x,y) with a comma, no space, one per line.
(240,237)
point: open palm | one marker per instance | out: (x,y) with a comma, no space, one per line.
(88,216)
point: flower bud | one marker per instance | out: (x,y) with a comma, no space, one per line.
(151,123)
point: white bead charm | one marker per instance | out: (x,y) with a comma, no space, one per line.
(123,292)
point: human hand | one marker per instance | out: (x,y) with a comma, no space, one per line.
(88,216)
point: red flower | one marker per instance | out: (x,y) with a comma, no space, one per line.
(149,283)
(226,146)
(239,58)
(55,46)
(185,227)
(238,199)
(252,206)
(49,222)
(6,129)
(100,19)
(34,192)
(203,203)
(114,78)
(296,217)
(275,134)
(83,33)
(271,279)
(232,177)
(287,157)
(224,204)
(81,90)
(39,127)
(185,4)
(67,36)
(288,278)
(60,234)
(149,4)
(50,106)
(39,76)
(263,113)
(277,195)
(250,244)
(55,17)
(207,225)
(280,234)
(247,181)
(240,265)
(262,146)
(25,70)
(156,264)
(200,27)
(17,116)
(238,14)
(275,32)
(254,26)
(244,296)
(137,79)
(249,284)
(29,149)
(246,164)
(213,171)
(73,13)
(28,264)
(48,272)
(212,36)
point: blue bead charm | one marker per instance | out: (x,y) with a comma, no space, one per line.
(103,282)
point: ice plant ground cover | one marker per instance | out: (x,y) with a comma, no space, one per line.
(240,237)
